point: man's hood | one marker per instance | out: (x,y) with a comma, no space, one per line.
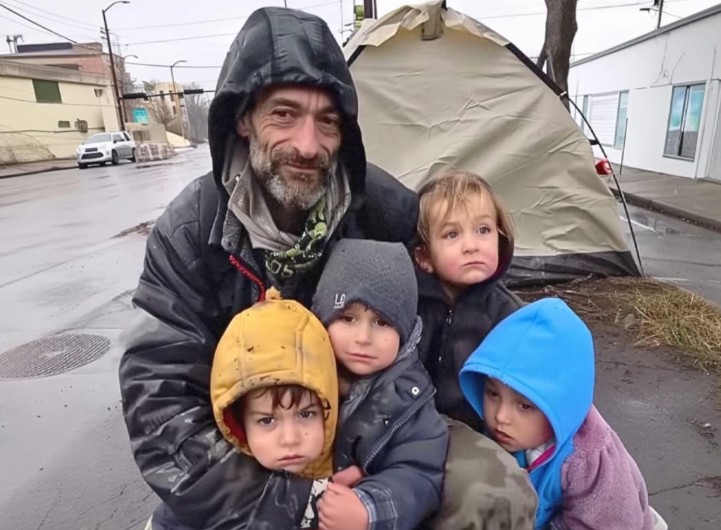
(278,46)
(545,352)
(276,342)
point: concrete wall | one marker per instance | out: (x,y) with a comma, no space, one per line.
(88,64)
(648,70)
(30,131)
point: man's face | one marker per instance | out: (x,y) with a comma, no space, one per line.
(294,135)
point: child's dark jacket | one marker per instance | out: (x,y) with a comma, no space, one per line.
(389,427)
(451,332)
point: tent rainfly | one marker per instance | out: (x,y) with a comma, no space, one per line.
(438,89)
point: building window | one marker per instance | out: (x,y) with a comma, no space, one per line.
(64,124)
(684,121)
(620,136)
(47,91)
(602,111)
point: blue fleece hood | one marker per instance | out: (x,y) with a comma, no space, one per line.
(545,352)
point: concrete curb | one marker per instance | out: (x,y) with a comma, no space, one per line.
(650,204)
(35,172)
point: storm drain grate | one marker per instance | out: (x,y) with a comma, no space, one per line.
(51,355)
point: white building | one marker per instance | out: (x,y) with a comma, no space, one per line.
(658,94)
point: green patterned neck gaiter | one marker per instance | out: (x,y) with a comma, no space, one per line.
(283,264)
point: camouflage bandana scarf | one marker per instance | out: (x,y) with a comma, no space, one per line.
(283,264)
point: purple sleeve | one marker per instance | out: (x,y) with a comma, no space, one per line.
(602,485)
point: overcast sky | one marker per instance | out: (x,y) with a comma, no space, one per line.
(200,31)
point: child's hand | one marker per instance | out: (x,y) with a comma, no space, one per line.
(349,477)
(341,509)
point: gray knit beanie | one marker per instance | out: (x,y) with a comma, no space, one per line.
(376,274)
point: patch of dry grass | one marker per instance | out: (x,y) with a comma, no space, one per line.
(680,319)
(657,313)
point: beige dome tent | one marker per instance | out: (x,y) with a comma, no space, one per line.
(438,89)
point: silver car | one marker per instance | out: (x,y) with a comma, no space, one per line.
(105,147)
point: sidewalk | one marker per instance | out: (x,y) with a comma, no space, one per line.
(58,164)
(698,201)
(30,168)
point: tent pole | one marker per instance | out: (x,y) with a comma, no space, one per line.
(615,179)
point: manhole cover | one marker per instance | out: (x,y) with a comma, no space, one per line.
(51,355)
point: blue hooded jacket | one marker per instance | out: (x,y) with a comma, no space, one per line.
(545,352)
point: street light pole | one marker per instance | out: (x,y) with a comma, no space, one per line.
(118,105)
(177,97)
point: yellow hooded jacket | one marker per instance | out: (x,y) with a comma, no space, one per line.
(275,342)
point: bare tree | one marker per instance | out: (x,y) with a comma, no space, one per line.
(561,29)
(197,105)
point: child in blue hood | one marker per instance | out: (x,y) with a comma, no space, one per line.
(531,381)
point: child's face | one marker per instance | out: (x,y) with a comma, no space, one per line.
(463,245)
(362,341)
(513,421)
(288,437)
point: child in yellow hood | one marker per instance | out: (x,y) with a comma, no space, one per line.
(274,389)
(388,427)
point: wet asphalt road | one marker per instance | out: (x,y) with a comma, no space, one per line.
(64,452)
(676,251)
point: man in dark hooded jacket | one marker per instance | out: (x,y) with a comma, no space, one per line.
(289,179)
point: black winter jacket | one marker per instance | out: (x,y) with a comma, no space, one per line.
(399,440)
(452,332)
(189,291)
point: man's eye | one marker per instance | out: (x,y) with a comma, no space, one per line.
(282,114)
(330,120)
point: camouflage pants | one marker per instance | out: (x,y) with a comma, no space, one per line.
(484,488)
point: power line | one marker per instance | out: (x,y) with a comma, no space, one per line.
(214,20)
(516,15)
(37,24)
(52,31)
(181,39)
(167,65)
(183,23)
(77,23)
(62,103)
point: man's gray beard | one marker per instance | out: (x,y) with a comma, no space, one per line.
(287,193)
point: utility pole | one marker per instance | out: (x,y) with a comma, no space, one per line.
(119,107)
(660,12)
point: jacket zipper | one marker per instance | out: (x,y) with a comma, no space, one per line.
(400,423)
(446,329)
(245,271)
